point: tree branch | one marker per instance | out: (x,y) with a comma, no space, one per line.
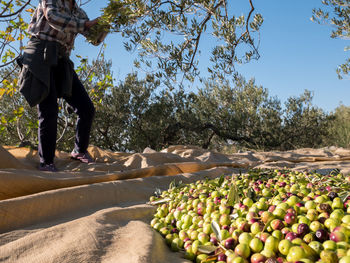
(9,74)
(8,63)
(17,12)
(173,129)
(6,7)
(203,23)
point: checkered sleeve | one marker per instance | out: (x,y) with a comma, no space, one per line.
(84,16)
(60,21)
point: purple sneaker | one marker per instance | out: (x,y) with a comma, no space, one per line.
(82,157)
(47,167)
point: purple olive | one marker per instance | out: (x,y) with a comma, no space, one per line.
(326,208)
(322,235)
(222,257)
(332,195)
(231,208)
(229,243)
(174,230)
(226,227)
(303,229)
(214,241)
(322,220)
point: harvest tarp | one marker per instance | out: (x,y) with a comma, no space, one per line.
(98,212)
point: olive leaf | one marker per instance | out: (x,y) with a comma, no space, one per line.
(216,229)
(233,196)
(344,196)
(206,249)
(223,247)
(267,224)
(221,180)
(172,184)
(335,171)
(251,194)
(157,192)
(234,216)
(161,201)
(236,199)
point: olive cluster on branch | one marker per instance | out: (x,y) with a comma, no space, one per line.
(114,16)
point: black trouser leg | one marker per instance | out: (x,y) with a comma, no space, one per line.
(83,106)
(47,132)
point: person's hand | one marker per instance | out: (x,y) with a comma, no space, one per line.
(91,23)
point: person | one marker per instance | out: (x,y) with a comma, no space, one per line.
(48,74)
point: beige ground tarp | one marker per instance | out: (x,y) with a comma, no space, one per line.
(98,212)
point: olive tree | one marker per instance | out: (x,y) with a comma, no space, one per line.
(304,124)
(239,112)
(339,127)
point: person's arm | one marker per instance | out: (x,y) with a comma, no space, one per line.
(88,24)
(60,21)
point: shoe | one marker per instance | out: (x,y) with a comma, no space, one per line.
(82,157)
(47,167)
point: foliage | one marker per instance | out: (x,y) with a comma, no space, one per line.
(13,29)
(239,112)
(153,116)
(304,125)
(121,116)
(18,122)
(116,14)
(137,115)
(167,34)
(337,13)
(339,128)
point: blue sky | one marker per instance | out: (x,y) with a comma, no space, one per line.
(296,54)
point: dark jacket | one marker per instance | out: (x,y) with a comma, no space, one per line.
(37,62)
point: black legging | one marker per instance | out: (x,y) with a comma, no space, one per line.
(48,113)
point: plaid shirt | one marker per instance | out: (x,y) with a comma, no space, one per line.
(54,20)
